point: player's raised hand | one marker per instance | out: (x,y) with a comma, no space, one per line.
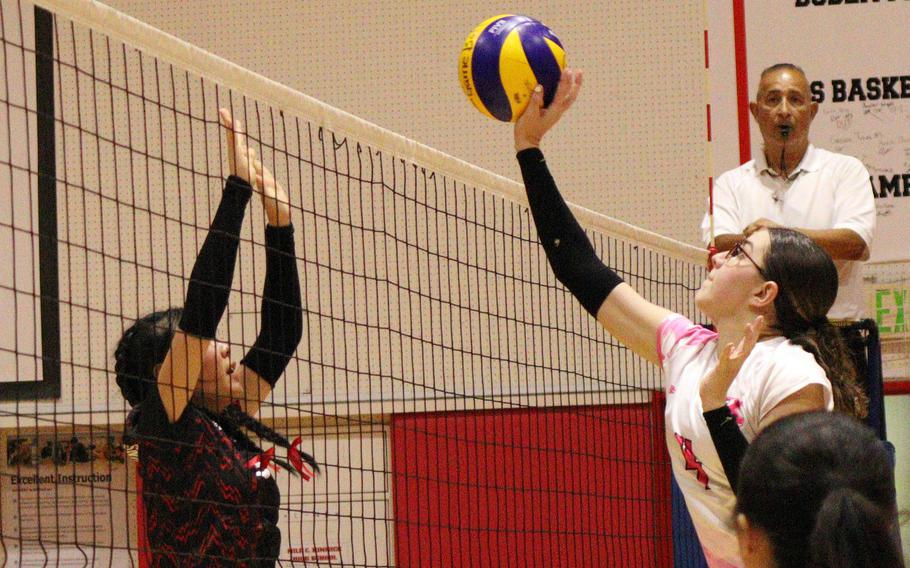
(715,385)
(536,120)
(274,197)
(241,158)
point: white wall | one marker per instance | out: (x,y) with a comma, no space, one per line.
(632,148)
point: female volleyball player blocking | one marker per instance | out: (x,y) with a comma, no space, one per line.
(817,489)
(208,496)
(774,352)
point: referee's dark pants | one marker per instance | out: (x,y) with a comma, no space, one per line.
(861,339)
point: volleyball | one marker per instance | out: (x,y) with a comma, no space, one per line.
(502,61)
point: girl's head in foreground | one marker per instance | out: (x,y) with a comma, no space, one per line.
(786,277)
(817,490)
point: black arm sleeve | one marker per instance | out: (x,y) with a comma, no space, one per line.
(728,440)
(281,325)
(210,281)
(568,249)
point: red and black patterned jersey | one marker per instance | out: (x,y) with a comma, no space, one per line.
(203,505)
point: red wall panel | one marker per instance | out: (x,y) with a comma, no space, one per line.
(581,486)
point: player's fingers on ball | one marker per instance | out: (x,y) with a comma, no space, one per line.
(535,102)
(225,116)
(576,85)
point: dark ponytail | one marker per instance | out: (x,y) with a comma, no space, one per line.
(848,530)
(821,486)
(807,282)
(825,343)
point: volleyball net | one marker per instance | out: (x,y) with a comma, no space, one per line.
(464,408)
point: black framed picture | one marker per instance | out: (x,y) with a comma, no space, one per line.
(29,288)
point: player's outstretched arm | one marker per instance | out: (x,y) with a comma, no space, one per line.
(210,282)
(281,316)
(622,311)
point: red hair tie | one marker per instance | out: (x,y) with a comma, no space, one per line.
(262,460)
(297,461)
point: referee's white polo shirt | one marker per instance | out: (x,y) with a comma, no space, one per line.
(825,191)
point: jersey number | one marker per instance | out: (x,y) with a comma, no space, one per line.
(692,462)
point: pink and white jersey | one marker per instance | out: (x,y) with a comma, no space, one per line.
(773,371)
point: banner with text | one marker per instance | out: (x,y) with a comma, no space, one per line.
(855,57)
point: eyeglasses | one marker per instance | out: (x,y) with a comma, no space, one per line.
(739,250)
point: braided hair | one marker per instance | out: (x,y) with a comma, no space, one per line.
(143,347)
(232,419)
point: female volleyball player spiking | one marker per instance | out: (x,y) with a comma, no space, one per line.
(774,352)
(817,489)
(208,496)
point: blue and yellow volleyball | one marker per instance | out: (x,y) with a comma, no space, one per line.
(502,61)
